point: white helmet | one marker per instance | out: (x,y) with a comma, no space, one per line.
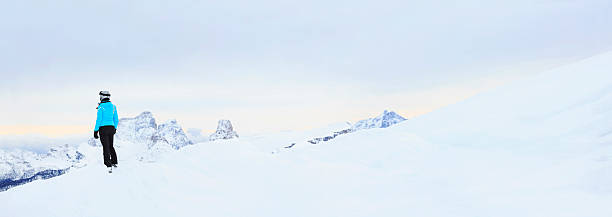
(104,94)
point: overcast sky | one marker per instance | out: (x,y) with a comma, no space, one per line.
(275,65)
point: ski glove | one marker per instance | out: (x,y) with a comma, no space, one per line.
(96,135)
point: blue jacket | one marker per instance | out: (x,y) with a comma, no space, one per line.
(107,115)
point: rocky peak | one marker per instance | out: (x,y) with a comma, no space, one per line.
(137,129)
(386,119)
(171,133)
(225,130)
(143,129)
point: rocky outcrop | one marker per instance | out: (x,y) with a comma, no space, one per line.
(225,130)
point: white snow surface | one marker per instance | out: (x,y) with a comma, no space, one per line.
(537,147)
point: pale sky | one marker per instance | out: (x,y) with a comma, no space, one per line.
(275,65)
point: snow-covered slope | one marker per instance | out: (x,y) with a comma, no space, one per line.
(384,120)
(537,147)
(564,105)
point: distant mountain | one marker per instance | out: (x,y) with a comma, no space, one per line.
(225,130)
(143,129)
(170,133)
(18,166)
(196,135)
(139,129)
(151,138)
(386,119)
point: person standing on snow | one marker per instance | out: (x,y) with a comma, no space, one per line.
(106,126)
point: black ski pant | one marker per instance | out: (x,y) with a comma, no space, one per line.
(106,138)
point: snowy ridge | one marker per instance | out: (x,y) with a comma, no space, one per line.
(384,120)
(327,138)
(320,135)
(21,166)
